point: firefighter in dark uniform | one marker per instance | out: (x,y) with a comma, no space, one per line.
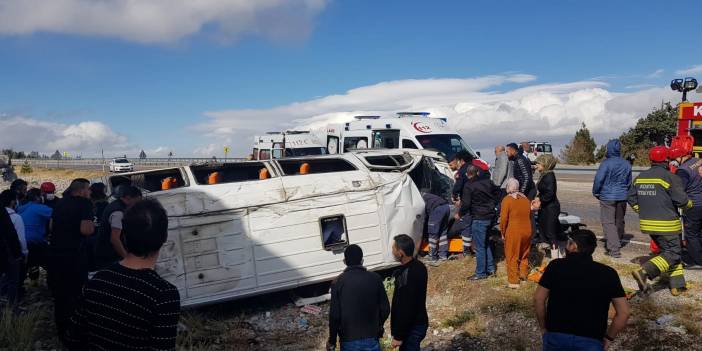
(657,195)
(689,169)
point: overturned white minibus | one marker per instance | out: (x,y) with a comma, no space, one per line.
(245,228)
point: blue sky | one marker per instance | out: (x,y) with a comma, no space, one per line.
(62,74)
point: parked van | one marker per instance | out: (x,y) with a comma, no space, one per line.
(246,228)
(291,143)
(409,130)
(538,148)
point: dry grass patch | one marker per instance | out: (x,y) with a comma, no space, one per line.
(20,331)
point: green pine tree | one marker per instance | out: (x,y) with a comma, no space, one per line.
(581,149)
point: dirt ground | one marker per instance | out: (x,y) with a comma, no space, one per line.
(464,315)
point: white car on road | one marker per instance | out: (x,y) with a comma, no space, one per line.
(121,165)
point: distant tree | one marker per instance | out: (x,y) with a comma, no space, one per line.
(56,155)
(142,155)
(601,153)
(581,149)
(654,129)
(26,168)
(33,154)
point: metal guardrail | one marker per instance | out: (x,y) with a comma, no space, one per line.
(98,163)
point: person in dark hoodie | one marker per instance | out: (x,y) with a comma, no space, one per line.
(611,187)
(359,306)
(409,320)
(479,200)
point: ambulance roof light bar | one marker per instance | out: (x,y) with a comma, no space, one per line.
(683,86)
(411,114)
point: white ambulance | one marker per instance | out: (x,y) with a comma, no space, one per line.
(409,130)
(291,143)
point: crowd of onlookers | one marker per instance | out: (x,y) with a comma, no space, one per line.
(125,304)
(115,240)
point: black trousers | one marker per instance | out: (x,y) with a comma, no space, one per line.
(693,235)
(67,272)
(668,261)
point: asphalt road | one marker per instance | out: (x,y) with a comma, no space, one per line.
(575,195)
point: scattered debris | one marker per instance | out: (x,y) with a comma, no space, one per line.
(299,302)
(311,309)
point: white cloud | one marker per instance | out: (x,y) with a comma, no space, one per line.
(474,106)
(696,69)
(640,86)
(207,151)
(656,74)
(28,134)
(161,21)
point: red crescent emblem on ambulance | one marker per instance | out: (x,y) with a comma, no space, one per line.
(421,127)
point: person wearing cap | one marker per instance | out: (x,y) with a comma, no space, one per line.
(479,201)
(610,187)
(359,306)
(689,169)
(656,196)
(48,193)
(573,297)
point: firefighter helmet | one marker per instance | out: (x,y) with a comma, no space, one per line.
(677,152)
(658,154)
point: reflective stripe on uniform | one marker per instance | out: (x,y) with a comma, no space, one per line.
(672,225)
(660,263)
(658,181)
(677,270)
(688,205)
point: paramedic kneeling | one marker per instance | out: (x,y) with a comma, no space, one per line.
(579,291)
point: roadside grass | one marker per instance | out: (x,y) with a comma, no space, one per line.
(20,331)
(496,316)
(482,315)
(48,174)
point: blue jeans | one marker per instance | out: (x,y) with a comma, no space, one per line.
(566,342)
(483,248)
(414,338)
(361,345)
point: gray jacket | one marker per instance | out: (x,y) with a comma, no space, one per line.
(501,170)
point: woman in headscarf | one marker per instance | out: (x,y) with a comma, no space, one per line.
(550,233)
(515,226)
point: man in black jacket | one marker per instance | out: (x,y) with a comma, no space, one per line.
(359,306)
(479,200)
(522,171)
(409,321)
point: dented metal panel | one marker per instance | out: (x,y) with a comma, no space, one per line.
(232,240)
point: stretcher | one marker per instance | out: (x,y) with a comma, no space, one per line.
(569,223)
